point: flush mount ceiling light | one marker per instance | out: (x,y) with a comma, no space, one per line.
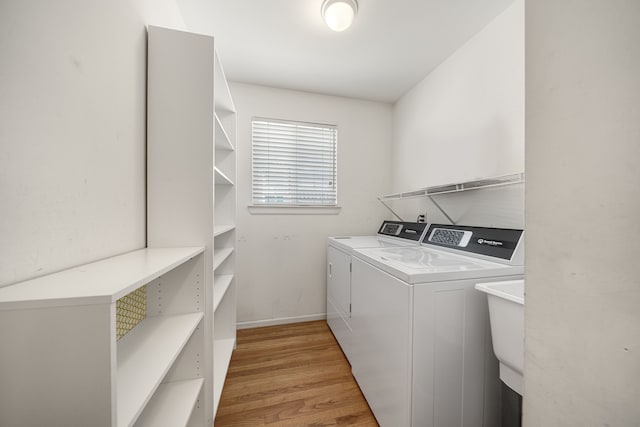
(339,14)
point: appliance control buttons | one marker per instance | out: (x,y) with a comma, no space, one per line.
(449,237)
(392,229)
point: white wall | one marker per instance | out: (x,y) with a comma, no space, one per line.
(281,259)
(582,316)
(72,130)
(465,120)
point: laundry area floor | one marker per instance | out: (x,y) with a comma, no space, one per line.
(291,375)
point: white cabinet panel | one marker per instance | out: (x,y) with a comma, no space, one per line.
(381,322)
(339,297)
(454,374)
(339,280)
(341,330)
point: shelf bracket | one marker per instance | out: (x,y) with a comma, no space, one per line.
(390,210)
(441,210)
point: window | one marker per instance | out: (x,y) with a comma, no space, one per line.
(294,163)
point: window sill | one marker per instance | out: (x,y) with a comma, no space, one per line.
(293,210)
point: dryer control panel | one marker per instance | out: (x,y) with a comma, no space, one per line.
(404,230)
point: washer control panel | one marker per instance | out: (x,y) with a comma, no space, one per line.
(492,242)
(404,230)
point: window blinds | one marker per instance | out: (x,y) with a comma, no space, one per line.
(294,163)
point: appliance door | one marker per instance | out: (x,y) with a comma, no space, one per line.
(339,280)
(381,346)
(339,297)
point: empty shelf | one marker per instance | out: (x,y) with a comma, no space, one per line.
(223,142)
(222,94)
(221,178)
(221,229)
(172,404)
(144,357)
(222,350)
(219,255)
(220,285)
(109,279)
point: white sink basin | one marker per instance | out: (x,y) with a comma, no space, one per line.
(506,314)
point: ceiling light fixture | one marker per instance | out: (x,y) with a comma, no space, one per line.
(339,14)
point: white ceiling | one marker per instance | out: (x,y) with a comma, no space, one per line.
(392,45)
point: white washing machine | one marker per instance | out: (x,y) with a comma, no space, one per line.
(421,344)
(339,252)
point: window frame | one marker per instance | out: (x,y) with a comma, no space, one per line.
(275,208)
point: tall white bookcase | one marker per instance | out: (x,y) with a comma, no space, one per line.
(143,338)
(191,168)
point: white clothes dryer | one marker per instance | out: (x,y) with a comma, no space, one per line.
(339,253)
(421,344)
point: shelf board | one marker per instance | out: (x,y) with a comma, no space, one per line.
(477,184)
(144,357)
(222,140)
(221,229)
(172,404)
(405,195)
(219,255)
(109,279)
(221,284)
(221,178)
(222,350)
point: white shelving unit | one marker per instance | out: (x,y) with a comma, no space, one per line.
(58,335)
(191,170)
(224,293)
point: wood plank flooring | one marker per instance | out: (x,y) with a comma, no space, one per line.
(291,375)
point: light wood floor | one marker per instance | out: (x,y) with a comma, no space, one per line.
(291,375)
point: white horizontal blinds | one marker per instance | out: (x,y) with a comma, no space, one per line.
(294,163)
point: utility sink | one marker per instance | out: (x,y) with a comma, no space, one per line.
(506,314)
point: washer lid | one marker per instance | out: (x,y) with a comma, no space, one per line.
(425,265)
(390,234)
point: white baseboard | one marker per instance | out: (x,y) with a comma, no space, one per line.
(280,321)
